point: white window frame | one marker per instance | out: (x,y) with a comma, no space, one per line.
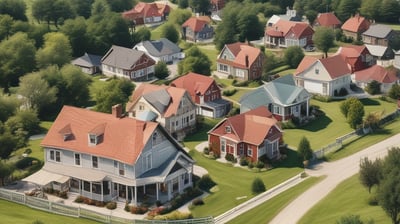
(249,152)
(121,167)
(56,156)
(77,159)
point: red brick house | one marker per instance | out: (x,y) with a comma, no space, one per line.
(252,135)
(357,57)
(147,13)
(205,93)
(327,19)
(288,33)
(240,61)
(355,26)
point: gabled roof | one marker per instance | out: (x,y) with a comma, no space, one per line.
(378,30)
(160,47)
(87,60)
(282,91)
(282,27)
(243,126)
(327,19)
(376,50)
(196,23)
(242,53)
(122,57)
(335,65)
(194,83)
(165,99)
(123,139)
(355,23)
(143,9)
(377,73)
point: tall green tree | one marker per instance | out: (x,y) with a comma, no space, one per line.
(5,170)
(370,172)
(250,27)
(6,23)
(76,85)
(347,8)
(36,92)
(227,31)
(355,115)
(195,61)
(394,91)
(120,5)
(304,149)
(15,8)
(52,11)
(100,8)
(389,195)
(170,32)
(116,91)
(293,56)
(161,70)
(141,34)
(56,50)
(389,11)
(179,16)
(17,57)
(8,106)
(200,6)
(82,8)
(324,39)
(370,8)
(8,143)
(75,30)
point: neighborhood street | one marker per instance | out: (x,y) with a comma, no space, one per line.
(335,173)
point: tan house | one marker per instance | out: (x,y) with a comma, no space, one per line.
(172,107)
(355,26)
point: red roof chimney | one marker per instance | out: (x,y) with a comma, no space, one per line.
(117,111)
(247,61)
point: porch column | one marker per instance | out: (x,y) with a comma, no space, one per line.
(283,114)
(126,193)
(179,184)
(135,195)
(157,189)
(102,192)
(144,189)
(190,179)
(91,191)
(307,109)
(169,190)
(132,191)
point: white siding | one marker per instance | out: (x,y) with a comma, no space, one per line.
(313,87)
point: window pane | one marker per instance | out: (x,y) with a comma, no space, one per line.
(94,161)
(51,155)
(58,156)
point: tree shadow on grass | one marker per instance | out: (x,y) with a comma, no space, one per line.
(370,102)
(318,124)
(292,160)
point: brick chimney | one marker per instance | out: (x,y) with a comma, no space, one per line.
(117,111)
(246,59)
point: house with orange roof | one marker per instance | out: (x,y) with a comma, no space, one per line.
(386,77)
(327,19)
(286,33)
(147,13)
(240,61)
(355,26)
(232,137)
(197,29)
(127,63)
(172,107)
(357,57)
(205,93)
(325,76)
(109,157)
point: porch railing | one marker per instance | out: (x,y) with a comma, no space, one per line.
(78,212)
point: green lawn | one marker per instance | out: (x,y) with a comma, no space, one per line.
(239,93)
(349,197)
(287,72)
(272,207)
(20,214)
(326,129)
(95,86)
(211,53)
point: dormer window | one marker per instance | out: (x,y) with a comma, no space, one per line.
(316,71)
(94,139)
(228,129)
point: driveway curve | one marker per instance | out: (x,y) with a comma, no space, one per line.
(335,173)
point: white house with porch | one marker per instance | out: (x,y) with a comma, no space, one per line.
(108,157)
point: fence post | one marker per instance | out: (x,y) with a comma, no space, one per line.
(24,199)
(79,211)
(50,205)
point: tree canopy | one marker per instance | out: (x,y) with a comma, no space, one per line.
(195,61)
(116,91)
(56,50)
(170,32)
(324,39)
(353,110)
(293,56)
(15,8)
(161,71)
(304,149)
(370,172)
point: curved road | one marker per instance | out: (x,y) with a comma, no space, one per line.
(335,173)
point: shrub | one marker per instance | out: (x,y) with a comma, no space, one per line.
(243,161)
(24,163)
(322,98)
(230,77)
(343,92)
(79,199)
(229,92)
(288,125)
(250,165)
(158,203)
(373,87)
(63,194)
(206,150)
(260,164)
(233,111)
(127,207)
(28,151)
(206,183)
(373,200)
(198,201)
(257,186)
(175,215)
(229,157)
(138,210)
(156,211)
(240,84)
(111,205)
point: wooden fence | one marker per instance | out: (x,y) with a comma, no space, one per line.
(59,208)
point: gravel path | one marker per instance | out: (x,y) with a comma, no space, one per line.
(335,173)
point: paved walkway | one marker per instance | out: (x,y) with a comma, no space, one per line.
(335,173)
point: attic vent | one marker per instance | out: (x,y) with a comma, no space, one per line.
(228,129)
(316,71)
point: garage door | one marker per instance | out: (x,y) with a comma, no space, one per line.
(313,87)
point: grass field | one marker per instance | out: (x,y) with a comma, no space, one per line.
(326,129)
(349,197)
(211,53)
(20,214)
(272,207)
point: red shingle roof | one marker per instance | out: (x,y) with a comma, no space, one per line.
(304,64)
(196,23)
(335,65)
(356,24)
(194,83)
(377,73)
(327,19)
(122,139)
(283,27)
(241,51)
(143,9)
(243,126)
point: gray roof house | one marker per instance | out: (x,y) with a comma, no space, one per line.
(160,50)
(89,63)
(127,63)
(381,54)
(281,96)
(378,34)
